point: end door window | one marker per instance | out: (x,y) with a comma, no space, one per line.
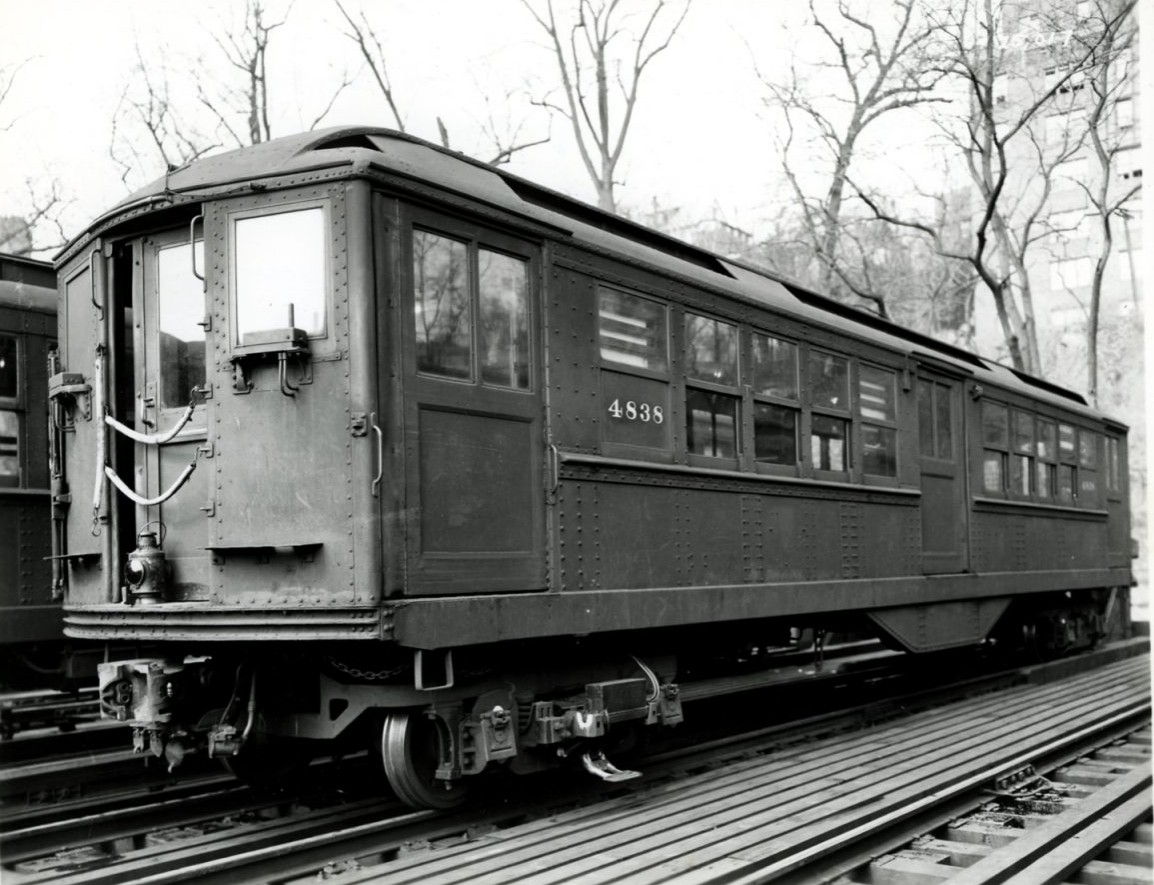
(281,272)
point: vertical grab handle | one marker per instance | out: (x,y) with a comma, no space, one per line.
(380,454)
(192,246)
(92,280)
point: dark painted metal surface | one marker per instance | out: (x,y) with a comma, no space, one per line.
(28,612)
(535,508)
(437,623)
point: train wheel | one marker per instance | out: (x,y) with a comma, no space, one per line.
(411,751)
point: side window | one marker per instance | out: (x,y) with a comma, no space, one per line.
(503,326)
(632,331)
(1087,468)
(9,375)
(9,416)
(995,447)
(776,401)
(1046,482)
(442,312)
(829,422)
(470,312)
(712,396)
(1067,466)
(877,409)
(1029,457)
(9,448)
(1113,465)
(633,339)
(1024,453)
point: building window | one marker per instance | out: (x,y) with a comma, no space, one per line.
(1124,114)
(1071,273)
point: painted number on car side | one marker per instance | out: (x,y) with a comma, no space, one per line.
(629,410)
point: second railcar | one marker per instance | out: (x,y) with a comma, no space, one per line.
(31,617)
(379,442)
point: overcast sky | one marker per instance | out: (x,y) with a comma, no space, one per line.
(701,138)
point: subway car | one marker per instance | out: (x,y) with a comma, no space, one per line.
(378,445)
(31,619)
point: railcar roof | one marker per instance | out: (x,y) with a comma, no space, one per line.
(357,150)
(27,284)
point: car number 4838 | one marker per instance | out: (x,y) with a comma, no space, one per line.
(634,411)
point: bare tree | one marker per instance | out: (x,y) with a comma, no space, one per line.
(369,45)
(42,228)
(506,140)
(8,75)
(1010,156)
(248,95)
(1108,82)
(599,83)
(149,126)
(506,136)
(866,73)
(247,53)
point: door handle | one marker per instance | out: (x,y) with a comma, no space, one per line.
(380,454)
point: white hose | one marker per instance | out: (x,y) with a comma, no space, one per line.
(159,499)
(154,439)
